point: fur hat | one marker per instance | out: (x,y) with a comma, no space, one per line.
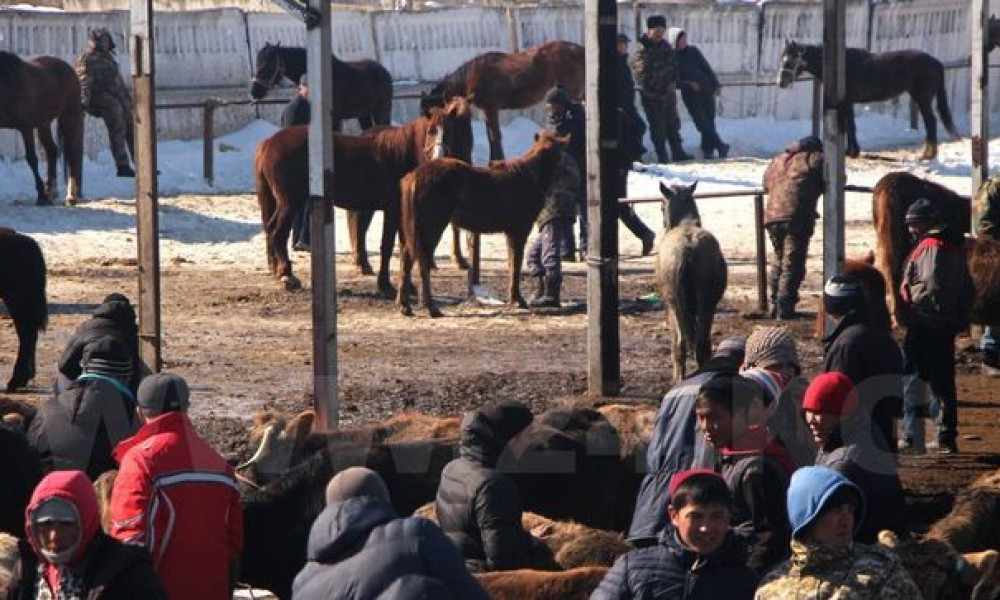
(842,294)
(770,346)
(921,211)
(107,355)
(656,21)
(163,392)
(355,482)
(831,393)
(557,95)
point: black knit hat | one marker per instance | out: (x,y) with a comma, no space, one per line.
(656,21)
(107,355)
(921,211)
(842,294)
(557,95)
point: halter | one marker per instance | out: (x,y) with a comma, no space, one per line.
(797,66)
(279,68)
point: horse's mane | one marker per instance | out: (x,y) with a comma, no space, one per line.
(456,83)
(522,166)
(10,65)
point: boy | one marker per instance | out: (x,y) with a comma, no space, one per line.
(698,555)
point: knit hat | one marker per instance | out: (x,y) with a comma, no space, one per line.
(55,510)
(733,347)
(107,355)
(163,392)
(355,482)
(921,211)
(674,34)
(656,21)
(623,39)
(809,491)
(680,477)
(831,393)
(557,95)
(770,346)
(842,294)
(770,385)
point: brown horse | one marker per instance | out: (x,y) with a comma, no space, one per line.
(366,176)
(505,197)
(891,197)
(22,289)
(34,93)
(497,80)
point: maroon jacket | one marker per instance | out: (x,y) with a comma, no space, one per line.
(794,182)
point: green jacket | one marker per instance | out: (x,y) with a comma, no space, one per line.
(987,206)
(560,202)
(655,68)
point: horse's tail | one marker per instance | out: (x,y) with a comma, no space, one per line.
(265,195)
(686,297)
(70,141)
(408,229)
(945,111)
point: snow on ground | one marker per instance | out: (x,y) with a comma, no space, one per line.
(219,225)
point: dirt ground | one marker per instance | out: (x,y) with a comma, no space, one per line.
(244,344)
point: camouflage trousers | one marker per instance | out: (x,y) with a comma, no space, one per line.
(664,122)
(788,265)
(118,119)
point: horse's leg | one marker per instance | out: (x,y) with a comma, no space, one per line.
(853,149)
(429,236)
(515,258)
(390,226)
(28,137)
(930,125)
(51,161)
(492,118)
(282,220)
(456,247)
(405,281)
(358,222)
(27,340)
(678,356)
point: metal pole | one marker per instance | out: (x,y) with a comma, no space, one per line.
(146,187)
(833,138)
(758,218)
(603,343)
(324,297)
(979,113)
(207,139)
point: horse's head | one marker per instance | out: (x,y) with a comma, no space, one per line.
(992,33)
(678,204)
(792,63)
(270,70)
(450,131)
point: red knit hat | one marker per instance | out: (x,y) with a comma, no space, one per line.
(831,393)
(680,477)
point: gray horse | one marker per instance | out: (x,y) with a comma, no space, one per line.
(692,274)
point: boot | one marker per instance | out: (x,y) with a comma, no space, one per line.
(551,298)
(678,153)
(661,152)
(125,171)
(723,149)
(539,291)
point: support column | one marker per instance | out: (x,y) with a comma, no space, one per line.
(834,97)
(979,109)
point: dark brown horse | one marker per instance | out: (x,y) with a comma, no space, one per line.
(505,197)
(22,289)
(875,77)
(34,93)
(367,172)
(497,80)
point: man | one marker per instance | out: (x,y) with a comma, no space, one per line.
(114,317)
(626,100)
(104,95)
(555,225)
(987,204)
(937,294)
(793,181)
(699,87)
(360,548)
(297,112)
(867,354)
(655,69)
(18,478)
(79,426)
(566,117)
(177,497)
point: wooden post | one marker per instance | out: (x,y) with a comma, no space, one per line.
(475,258)
(758,218)
(146,187)
(834,97)
(324,297)
(515,38)
(207,141)
(817,107)
(979,111)
(603,343)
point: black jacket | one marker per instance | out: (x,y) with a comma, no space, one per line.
(670,571)
(871,358)
(693,67)
(360,549)
(296,112)
(20,473)
(573,122)
(116,319)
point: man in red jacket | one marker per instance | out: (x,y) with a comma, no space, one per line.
(178,497)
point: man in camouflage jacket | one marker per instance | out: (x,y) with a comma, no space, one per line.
(555,224)
(987,206)
(104,95)
(655,68)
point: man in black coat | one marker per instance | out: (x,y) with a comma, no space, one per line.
(699,86)
(866,353)
(114,317)
(18,477)
(298,112)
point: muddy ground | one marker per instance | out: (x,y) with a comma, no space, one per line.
(244,344)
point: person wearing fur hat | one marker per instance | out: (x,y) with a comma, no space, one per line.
(360,548)
(115,317)
(196,543)
(655,68)
(867,353)
(697,557)
(732,411)
(831,408)
(72,558)
(699,86)
(477,505)
(80,424)
(104,95)
(825,510)
(937,294)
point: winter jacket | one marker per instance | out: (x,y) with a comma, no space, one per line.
(79,426)
(177,497)
(626,84)
(789,428)
(296,112)
(478,506)
(670,571)
(101,82)
(573,123)
(360,548)
(560,201)
(676,445)
(655,68)
(110,569)
(692,66)
(794,183)
(19,475)
(757,471)
(114,318)
(858,572)
(987,204)
(937,291)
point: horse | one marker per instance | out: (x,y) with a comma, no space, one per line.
(34,93)
(22,289)
(875,77)
(499,80)
(891,197)
(366,177)
(505,197)
(692,273)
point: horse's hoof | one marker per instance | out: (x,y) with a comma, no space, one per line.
(929,153)
(462,264)
(290,283)
(43,201)
(433,265)
(406,311)
(519,303)
(365,270)
(387,291)
(434,312)
(71,200)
